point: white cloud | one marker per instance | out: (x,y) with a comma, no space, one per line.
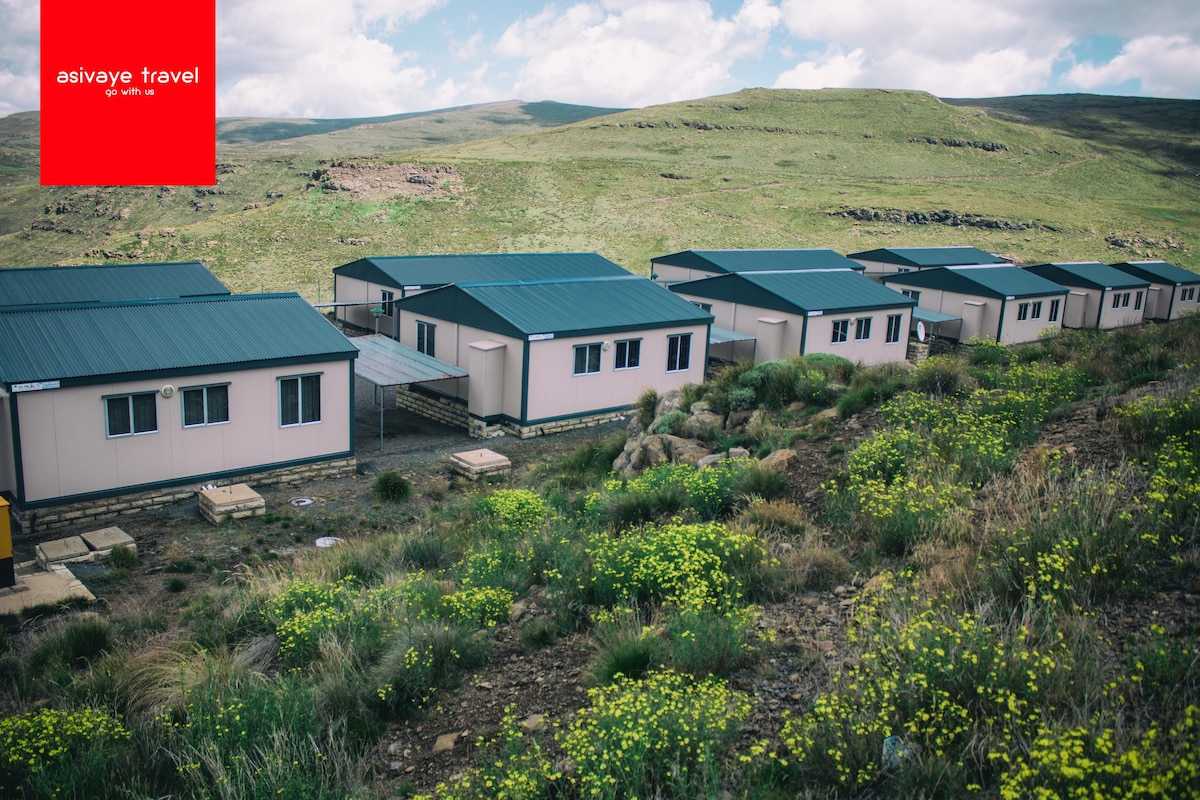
(633,52)
(1162,65)
(833,67)
(316,58)
(19,56)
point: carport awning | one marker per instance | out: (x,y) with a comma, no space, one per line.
(925,315)
(719,335)
(385,362)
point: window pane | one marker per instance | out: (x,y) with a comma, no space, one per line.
(580,360)
(145,413)
(289,401)
(593,358)
(193,407)
(118,416)
(218,404)
(635,353)
(310,388)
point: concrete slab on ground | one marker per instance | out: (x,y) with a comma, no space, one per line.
(56,551)
(476,464)
(38,588)
(104,540)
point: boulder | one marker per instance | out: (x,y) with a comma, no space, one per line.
(739,452)
(779,461)
(684,451)
(702,423)
(736,421)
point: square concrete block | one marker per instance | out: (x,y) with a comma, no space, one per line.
(231,502)
(57,551)
(476,464)
(102,542)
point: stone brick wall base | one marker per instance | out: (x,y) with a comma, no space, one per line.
(453,412)
(41,520)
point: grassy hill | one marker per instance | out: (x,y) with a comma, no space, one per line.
(1036,179)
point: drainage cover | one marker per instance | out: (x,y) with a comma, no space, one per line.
(300,502)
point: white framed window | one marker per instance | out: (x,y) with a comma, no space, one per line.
(387,301)
(841,331)
(893,328)
(1023,311)
(1053,317)
(913,293)
(862,329)
(702,306)
(1035,312)
(426,337)
(628,354)
(587,358)
(679,352)
(299,400)
(205,405)
(131,414)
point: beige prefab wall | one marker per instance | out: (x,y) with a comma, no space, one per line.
(8,472)
(1167,303)
(756,321)
(667,274)
(65,449)
(981,316)
(555,391)
(452,343)
(1123,316)
(366,295)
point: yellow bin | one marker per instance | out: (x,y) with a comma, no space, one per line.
(8,576)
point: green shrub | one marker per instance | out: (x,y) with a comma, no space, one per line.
(762,483)
(123,557)
(584,467)
(74,643)
(624,646)
(837,369)
(742,398)
(704,642)
(391,487)
(939,376)
(987,352)
(671,423)
(426,659)
(633,508)
(662,736)
(176,585)
(45,752)
(647,406)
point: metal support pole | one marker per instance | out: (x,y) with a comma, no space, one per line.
(382,393)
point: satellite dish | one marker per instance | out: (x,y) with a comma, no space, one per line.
(920,331)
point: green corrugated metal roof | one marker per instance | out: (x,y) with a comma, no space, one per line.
(725,261)
(106,283)
(1087,273)
(1158,272)
(929,256)
(439,270)
(561,307)
(127,339)
(797,291)
(984,281)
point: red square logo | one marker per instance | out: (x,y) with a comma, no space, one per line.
(128,93)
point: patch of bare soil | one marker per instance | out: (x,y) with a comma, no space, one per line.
(367,179)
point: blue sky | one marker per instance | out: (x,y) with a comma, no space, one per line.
(344,58)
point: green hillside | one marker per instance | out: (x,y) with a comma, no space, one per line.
(1048,178)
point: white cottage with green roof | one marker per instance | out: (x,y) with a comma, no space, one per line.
(1099,296)
(1003,303)
(690,265)
(151,397)
(893,260)
(1174,291)
(553,354)
(780,314)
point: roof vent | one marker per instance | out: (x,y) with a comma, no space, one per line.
(167,390)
